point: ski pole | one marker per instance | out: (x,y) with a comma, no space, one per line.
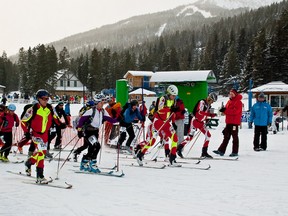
(67,158)
(197,135)
(101,144)
(63,148)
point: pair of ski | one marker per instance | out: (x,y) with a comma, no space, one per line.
(111,172)
(50,182)
(14,161)
(157,165)
(214,158)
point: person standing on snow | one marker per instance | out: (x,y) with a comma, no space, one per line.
(88,127)
(261,114)
(201,112)
(233,113)
(164,122)
(7,120)
(39,119)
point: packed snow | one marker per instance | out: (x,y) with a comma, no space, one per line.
(254,185)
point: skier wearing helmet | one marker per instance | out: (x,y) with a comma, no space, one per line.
(7,120)
(201,112)
(163,124)
(38,119)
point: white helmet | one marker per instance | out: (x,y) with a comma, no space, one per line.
(172,90)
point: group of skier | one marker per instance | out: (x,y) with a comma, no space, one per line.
(166,117)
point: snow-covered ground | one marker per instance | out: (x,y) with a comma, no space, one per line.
(255,185)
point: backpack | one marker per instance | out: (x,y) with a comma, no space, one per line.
(196,106)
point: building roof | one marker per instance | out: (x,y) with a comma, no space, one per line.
(1,86)
(184,76)
(139,91)
(139,73)
(61,88)
(275,86)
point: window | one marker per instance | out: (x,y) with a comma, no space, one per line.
(61,83)
(68,83)
(75,83)
(278,100)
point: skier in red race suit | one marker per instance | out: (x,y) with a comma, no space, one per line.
(163,123)
(39,119)
(201,112)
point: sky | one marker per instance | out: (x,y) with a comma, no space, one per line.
(32,22)
(254,185)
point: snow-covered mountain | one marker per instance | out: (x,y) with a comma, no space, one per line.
(233,4)
(138,29)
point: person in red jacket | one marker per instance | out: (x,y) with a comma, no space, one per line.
(38,119)
(7,121)
(233,112)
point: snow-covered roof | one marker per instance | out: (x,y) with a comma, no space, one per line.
(139,73)
(61,88)
(184,76)
(145,92)
(1,86)
(275,86)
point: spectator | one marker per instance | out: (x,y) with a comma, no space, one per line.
(261,115)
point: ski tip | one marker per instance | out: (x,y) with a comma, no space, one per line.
(69,186)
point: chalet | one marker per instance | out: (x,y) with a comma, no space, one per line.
(276,93)
(68,84)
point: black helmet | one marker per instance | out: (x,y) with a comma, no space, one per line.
(134,103)
(213,96)
(41,93)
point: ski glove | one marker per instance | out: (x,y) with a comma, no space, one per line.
(62,125)
(80,134)
(174,126)
(28,135)
(222,109)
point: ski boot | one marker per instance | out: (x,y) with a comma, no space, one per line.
(28,167)
(140,156)
(179,150)
(84,165)
(205,153)
(4,158)
(48,155)
(40,177)
(75,156)
(93,166)
(172,160)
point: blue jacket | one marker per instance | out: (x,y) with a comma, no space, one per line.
(130,115)
(261,114)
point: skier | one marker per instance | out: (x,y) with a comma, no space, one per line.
(163,123)
(39,119)
(88,127)
(114,110)
(131,113)
(7,120)
(233,112)
(201,112)
(89,105)
(56,130)
(24,140)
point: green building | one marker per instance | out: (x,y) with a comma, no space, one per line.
(192,85)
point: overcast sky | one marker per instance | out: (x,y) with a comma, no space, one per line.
(27,23)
